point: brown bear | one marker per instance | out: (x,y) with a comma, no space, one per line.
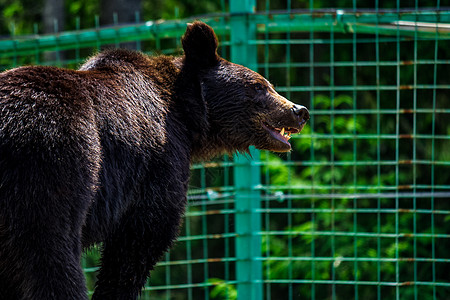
(102,155)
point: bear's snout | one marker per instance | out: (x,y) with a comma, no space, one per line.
(300,112)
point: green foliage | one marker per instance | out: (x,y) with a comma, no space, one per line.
(170,9)
(19,16)
(83,10)
(222,289)
(24,16)
(90,263)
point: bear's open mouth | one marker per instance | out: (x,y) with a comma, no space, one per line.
(281,134)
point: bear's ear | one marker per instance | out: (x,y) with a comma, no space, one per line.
(200,45)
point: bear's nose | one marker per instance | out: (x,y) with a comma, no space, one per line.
(301,111)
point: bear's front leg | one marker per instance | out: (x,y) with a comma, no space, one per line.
(136,245)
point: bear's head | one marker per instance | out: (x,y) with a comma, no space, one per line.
(243,108)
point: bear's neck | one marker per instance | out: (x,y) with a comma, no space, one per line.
(191,107)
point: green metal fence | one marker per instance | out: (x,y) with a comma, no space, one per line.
(361,207)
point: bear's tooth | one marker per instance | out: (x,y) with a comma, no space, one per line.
(282,131)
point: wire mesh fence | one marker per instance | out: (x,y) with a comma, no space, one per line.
(361,207)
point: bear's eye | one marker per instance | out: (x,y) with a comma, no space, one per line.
(259,87)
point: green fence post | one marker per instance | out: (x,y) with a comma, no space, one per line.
(246,171)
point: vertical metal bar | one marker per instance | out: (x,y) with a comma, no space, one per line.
(116,32)
(355,201)
(97,27)
(397,150)
(289,181)
(226,184)
(37,54)
(248,226)
(223,22)
(137,20)
(205,233)
(433,131)
(189,256)
(246,172)
(57,50)
(168,275)
(268,286)
(333,204)
(414,153)
(377,71)
(77,39)
(312,147)
(13,33)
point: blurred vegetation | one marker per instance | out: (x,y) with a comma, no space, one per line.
(25,16)
(341,153)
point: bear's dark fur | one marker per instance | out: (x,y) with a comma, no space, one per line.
(102,155)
